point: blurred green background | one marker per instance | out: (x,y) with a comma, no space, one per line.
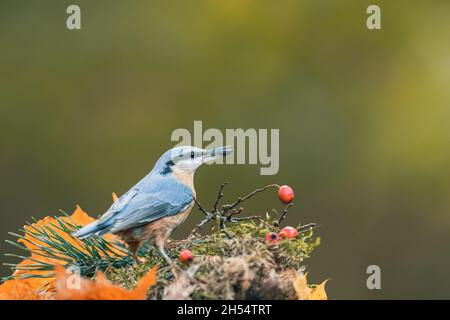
(363,118)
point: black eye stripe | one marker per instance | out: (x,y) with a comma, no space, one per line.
(170,163)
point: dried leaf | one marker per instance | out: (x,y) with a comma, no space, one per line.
(319,293)
(304,292)
(301,287)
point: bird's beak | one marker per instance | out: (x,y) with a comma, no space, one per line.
(212,154)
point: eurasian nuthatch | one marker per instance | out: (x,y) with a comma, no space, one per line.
(158,203)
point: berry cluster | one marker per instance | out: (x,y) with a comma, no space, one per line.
(226,214)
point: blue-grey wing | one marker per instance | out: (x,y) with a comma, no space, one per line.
(146,203)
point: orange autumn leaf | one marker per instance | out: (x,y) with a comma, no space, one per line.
(18,290)
(78,217)
(36,283)
(30,242)
(72,287)
(81,217)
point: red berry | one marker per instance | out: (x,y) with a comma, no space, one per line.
(288,233)
(272,237)
(286,194)
(185,256)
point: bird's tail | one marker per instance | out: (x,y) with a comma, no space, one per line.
(88,231)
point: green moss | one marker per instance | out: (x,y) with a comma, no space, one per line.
(246,249)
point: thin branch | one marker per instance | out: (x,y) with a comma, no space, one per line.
(219,196)
(235,211)
(223,228)
(199,206)
(228,207)
(227,212)
(283,214)
(308,227)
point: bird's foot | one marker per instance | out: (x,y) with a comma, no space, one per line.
(139,260)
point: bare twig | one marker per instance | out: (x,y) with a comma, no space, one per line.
(199,206)
(283,214)
(228,207)
(219,196)
(235,211)
(223,228)
(226,213)
(203,222)
(308,227)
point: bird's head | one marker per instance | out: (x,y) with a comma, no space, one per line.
(188,158)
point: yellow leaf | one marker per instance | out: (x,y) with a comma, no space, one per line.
(301,287)
(114,197)
(304,292)
(319,293)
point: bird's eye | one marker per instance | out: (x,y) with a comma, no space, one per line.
(192,155)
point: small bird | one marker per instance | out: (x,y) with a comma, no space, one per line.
(158,203)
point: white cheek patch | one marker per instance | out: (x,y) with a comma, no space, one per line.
(185,165)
